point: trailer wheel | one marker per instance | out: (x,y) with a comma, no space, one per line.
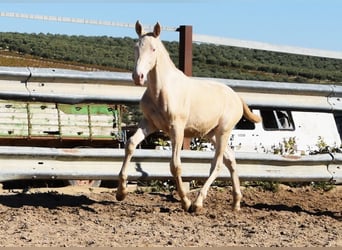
(86,183)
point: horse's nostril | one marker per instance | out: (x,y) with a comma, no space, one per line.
(141,76)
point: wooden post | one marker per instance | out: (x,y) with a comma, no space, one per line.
(185,60)
(185,49)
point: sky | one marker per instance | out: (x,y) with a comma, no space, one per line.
(300,23)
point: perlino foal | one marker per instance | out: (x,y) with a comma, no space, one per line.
(181,106)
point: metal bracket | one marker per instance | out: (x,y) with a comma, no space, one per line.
(336,172)
(335,103)
(28,77)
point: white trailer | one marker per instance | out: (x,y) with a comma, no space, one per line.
(303,130)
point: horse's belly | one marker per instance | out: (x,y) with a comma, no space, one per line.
(198,130)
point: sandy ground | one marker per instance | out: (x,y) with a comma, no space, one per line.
(76,216)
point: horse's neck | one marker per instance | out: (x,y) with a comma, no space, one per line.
(160,74)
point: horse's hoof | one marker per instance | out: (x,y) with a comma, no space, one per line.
(196,209)
(236,207)
(120,196)
(236,202)
(186,205)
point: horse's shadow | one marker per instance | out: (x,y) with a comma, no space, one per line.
(294,209)
(166,197)
(54,200)
(51,200)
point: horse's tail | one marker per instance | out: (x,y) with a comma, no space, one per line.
(248,114)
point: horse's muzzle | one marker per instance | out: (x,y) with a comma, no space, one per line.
(138,79)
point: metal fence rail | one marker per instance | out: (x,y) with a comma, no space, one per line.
(105,164)
(69,86)
(266,46)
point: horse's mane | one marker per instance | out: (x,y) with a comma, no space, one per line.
(162,48)
(166,53)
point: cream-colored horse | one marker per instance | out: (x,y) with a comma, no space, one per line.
(181,106)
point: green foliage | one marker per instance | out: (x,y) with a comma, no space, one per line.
(208,60)
(162,142)
(103,51)
(248,64)
(323,185)
(131,114)
(198,144)
(324,148)
(287,147)
(272,186)
(155,186)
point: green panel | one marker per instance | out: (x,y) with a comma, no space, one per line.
(82,109)
(25,119)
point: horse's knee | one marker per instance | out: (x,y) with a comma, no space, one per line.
(215,165)
(135,139)
(130,146)
(175,171)
(175,168)
(229,160)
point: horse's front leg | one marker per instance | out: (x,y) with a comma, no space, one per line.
(144,129)
(177,136)
(230,162)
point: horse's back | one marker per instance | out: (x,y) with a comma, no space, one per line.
(213,95)
(212,104)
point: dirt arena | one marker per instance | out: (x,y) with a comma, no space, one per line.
(76,216)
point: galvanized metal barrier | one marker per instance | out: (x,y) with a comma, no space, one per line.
(105,164)
(69,86)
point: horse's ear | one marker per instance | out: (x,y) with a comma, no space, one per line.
(156,30)
(138,28)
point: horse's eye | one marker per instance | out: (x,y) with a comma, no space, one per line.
(153,49)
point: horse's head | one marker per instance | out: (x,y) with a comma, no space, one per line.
(145,52)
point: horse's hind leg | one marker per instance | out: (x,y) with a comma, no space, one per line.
(214,170)
(144,129)
(230,162)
